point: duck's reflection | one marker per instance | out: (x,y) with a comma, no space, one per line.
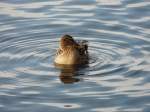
(68,74)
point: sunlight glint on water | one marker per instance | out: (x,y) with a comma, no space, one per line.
(117,76)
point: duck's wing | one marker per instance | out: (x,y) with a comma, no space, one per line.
(82,47)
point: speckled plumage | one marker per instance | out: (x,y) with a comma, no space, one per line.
(70,52)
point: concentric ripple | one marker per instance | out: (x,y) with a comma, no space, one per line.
(117,76)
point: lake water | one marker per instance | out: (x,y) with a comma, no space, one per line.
(117,78)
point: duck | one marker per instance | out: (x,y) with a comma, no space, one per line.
(71,52)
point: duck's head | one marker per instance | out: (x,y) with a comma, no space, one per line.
(66,40)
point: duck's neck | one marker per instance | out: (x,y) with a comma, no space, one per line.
(64,46)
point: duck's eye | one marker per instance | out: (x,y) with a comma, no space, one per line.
(71,40)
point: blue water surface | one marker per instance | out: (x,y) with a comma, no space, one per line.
(117,78)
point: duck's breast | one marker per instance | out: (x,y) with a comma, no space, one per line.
(70,57)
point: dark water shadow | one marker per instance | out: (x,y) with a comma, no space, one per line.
(69,73)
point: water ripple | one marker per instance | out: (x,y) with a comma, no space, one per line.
(117,76)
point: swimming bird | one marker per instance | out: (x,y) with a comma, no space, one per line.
(71,52)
